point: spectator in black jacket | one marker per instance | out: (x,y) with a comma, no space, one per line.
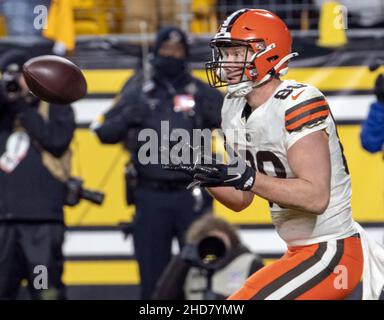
(34,143)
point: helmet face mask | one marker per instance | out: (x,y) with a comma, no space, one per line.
(236,56)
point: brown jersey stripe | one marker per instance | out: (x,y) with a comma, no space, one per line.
(306,113)
(308,121)
(305,108)
(321,276)
(304,103)
(292,274)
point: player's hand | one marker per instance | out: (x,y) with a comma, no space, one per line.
(222,175)
(188,169)
(236,174)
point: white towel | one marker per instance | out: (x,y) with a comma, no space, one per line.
(373,274)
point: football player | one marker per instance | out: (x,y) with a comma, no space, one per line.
(292,158)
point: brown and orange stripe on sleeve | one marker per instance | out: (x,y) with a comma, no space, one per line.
(306,113)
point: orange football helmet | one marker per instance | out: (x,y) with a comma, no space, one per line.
(264,35)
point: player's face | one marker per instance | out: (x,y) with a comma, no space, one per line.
(238,55)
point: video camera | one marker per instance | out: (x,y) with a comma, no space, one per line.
(9,84)
(76,192)
(209,253)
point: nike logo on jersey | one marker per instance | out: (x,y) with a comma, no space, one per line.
(294,97)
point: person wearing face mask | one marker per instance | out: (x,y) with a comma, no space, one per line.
(165,96)
(212,265)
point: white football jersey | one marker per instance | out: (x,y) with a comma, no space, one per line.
(292,112)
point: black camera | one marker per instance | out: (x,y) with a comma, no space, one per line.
(209,253)
(9,85)
(76,192)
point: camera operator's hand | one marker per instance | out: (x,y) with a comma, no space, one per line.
(24,90)
(26,93)
(23,98)
(379,88)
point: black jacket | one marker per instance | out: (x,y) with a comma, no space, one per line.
(30,192)
(137,109)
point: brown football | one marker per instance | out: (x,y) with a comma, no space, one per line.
(54,79)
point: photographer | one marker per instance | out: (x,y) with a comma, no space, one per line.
(34,168)
(211,266)
(372,134)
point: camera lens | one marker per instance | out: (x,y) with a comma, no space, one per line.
(12,87)
(211,249)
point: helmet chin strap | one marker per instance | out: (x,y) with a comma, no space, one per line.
(241,89)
